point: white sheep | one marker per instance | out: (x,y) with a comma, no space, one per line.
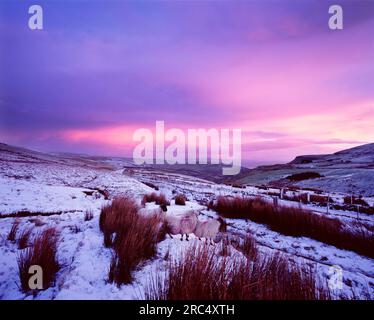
(182,224)
(209,229)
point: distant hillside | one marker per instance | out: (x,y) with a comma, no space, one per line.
(357,157)
(349,171)
(208,171)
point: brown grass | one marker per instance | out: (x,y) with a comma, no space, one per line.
(322,200)
(13,231)
(199,274)
(133,236)
(297,222)
(355,200)
(88,216)
(43,253)
(24,238)
(116,217)
(276,278)
(159,199)
(303,197)
(248,246)
(180,200)
(354,208)
(133,247)
(225,246)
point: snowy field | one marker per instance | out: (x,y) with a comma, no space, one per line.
(61,192)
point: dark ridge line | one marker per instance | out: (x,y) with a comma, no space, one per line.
(25,214)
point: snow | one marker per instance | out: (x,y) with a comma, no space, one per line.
(48,184)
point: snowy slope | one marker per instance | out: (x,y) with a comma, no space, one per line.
(66,186)
(348,171)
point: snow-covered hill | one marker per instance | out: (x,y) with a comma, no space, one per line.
(349,171)
(361,156)
(58,189)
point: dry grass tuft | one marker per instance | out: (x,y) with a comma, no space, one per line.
(24,238)
(88,216)
(201,274)
(159,199)
(296,222)
(133,236)
(248,247)
(43,253)
(180,200)
(354,200)
(13,231)
(117,217)
(134,246)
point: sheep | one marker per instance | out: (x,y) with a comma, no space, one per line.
(189,223)
(209,229)
(182,224)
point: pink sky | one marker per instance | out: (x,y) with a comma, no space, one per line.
(276,72)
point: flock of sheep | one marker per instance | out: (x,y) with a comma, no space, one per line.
(188,222)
